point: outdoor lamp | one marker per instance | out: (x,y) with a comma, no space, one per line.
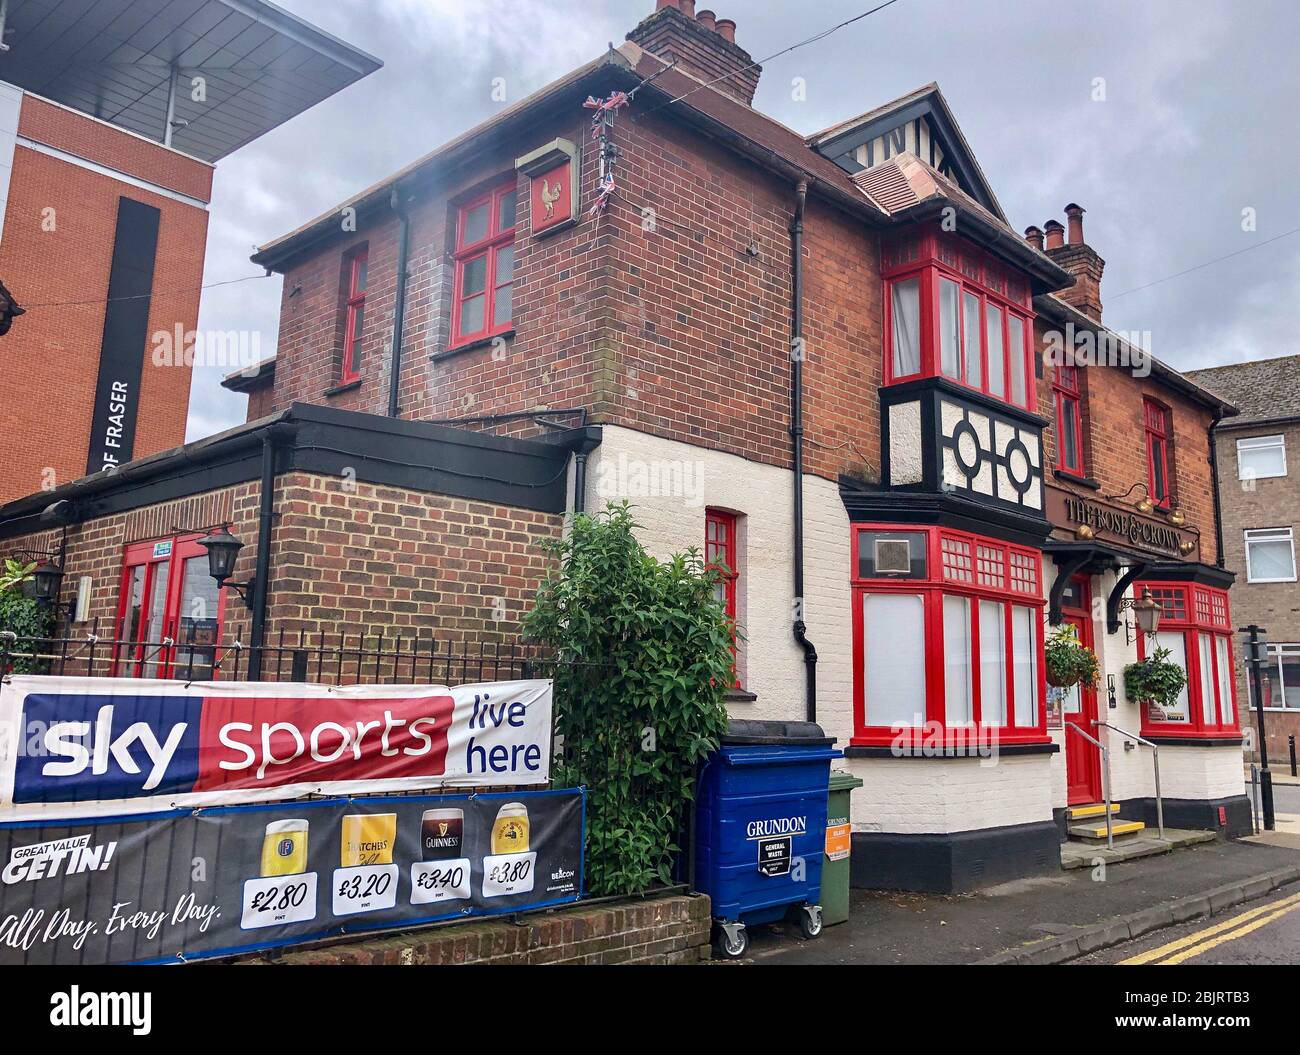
(1144,505)
(222,549)
(1148,613)
(47,576)
(1176,517)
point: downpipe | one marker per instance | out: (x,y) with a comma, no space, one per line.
(796,352)
(399,301)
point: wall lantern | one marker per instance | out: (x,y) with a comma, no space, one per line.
(223,549)
(1148,613)
(47,576)
(1177,517)
(1143,505)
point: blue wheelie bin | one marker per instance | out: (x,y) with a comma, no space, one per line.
(761,828)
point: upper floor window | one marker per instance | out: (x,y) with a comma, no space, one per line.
(1159,443)
(954,312)
(722,554)
(1270,555)
(1196,629)
(1069,419)
(355,316)
(947,635)
(1259,457)
(485,266)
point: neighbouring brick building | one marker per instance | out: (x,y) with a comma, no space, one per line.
(1260,493)
(828,362)
(107,153)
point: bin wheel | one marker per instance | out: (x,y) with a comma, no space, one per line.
(810,921)
(731,941)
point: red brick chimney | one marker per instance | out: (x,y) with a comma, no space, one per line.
(1034,236)
(703,45)
(1081,260)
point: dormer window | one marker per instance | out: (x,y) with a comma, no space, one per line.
(955,312)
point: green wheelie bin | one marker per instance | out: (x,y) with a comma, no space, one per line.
(835,871)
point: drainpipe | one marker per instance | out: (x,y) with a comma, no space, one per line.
(262,575)
(1218,507)
(796,440)
(399,302)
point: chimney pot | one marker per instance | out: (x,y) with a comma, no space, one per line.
(661,4)
(707,19)
(687,7)
(1055,234)
(1034,236)
(1074,217)
(727,28)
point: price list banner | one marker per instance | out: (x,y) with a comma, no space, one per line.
(167,888)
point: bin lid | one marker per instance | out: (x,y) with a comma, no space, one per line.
(748,731)
(844,781)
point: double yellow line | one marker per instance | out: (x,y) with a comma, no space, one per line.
(1205,940)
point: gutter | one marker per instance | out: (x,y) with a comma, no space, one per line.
(799,627)
(399,301)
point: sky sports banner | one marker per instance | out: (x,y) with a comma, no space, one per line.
(166,888)
(81,747)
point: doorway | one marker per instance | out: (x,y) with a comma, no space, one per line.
(1079,706)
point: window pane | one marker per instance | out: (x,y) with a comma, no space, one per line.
(956,660)
(971,321)
(1270,559)
(502,305)
(1261,456)
(474,279)
(154,627)
(506,211)
(1287,678)
(993,664)
(134,606)
(993,339)
(197,625)
(471,315)
(1177,654)
(505,264)
(949,330)
(1160,486)
(1065,427)
(894,631)
(907,327)
(1016,356)
(1209,714)
(360,273)
(1227,712)
(1024,649)
(476,225)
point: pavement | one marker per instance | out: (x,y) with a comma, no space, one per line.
(1048,919)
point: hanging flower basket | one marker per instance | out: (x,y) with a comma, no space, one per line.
(1069,661)
(1155,680)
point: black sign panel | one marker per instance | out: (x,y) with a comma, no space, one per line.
(126,334)
(211,882)
(774,856)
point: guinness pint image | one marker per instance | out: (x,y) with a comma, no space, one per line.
(441,832)
(510,829)
(284,848)
(368,839)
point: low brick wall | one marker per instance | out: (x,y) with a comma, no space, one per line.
(661,930)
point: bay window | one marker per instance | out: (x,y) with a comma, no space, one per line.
(1196,629)
(955,312)
(948,637)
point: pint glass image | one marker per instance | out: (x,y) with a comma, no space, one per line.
(284,848)
(368,839)
(510,829)
(441,833)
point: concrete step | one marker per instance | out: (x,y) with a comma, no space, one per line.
(1098,830)
(1097,809)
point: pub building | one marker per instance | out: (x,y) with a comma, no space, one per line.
(593,296)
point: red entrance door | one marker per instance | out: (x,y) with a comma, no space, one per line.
(1079,708)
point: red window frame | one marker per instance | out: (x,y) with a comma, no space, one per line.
(488,247)
(1191,610)
(1068,398)
(720,554)
(141,655)
(931,258)
(1159,435)
(358,271)
(965,565)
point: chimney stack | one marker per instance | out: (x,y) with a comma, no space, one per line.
(703,46)
(1034,236)
(1081,260)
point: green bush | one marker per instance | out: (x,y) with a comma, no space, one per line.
(21,616)
(642,661)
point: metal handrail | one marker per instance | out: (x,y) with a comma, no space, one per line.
(1155,762)
(1105,778)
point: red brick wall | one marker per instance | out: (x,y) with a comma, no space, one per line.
(676,330)
(61,277)
(1114,443)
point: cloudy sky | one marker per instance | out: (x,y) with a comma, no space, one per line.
(1166,119)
